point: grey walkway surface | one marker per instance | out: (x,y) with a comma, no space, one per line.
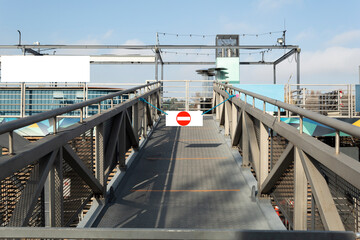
(185,178)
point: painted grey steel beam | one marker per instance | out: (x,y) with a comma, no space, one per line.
(16,124)
(33,52)
(300,193)
(341,164)
(112,142)
(139,47)
(161,233)
(323,198)
(83,171)
(175,63)
(237,134)
(277,171)
(330,122)
(253,144)
(285,56)
(131,133)
(40,148)
(264,154)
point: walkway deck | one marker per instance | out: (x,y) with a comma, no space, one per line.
(186,178)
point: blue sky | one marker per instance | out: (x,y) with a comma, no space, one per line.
(328,32)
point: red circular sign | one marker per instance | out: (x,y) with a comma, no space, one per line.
(183,118)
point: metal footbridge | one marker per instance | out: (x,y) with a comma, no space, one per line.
(122,174)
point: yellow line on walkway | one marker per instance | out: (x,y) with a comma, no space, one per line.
(150,158)
(183,190)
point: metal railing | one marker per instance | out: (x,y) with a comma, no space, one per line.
(49,182)
(333,100)
(187,95)
(314,185)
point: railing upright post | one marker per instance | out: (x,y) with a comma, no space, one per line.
(337,141)
(54,125)
(81,115)
(11,143)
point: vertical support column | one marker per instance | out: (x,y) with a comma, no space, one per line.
(245,141)
(145,120)
(264,154)
(156,66)
(122,144)
(100,154)
(228,118)
(217,101)
(274,72)
(234,119)
(187,86)
(49,198)
(59,183)
(162,71)
(221,107)
(298,68)
(22,100)
(135,118)
(300,193)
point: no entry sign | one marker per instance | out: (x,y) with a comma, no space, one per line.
(184,118)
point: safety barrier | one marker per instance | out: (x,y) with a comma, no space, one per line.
(50,181)
(314,185)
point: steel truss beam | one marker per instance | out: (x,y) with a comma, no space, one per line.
(40,148)
(144,47)
(325,203)
(82,170)
(281,165)
(341,164)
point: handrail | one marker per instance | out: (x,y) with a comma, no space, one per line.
(331,122)
(19,123)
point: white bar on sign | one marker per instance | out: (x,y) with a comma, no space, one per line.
(183,118)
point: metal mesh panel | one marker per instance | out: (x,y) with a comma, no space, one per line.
(59,184)
(277,145)
(283,193)
(314,220)
(84,148)
(76,192)
(38,218)
(346,198)
(10,189)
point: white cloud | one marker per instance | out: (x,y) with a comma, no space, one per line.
(345,38)
(331,60)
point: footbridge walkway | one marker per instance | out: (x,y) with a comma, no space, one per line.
(123,174)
